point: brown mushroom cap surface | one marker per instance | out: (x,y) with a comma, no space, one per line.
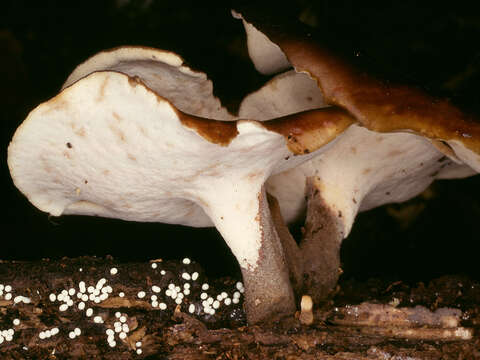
(378,105)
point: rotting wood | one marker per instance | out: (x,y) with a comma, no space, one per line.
(176,333)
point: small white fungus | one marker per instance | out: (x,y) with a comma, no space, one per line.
(186,276)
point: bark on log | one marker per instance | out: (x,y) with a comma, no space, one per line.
(368,331)
(95,308)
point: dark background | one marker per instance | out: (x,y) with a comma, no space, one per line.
(422,43)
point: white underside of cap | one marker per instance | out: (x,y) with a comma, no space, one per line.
(469,157)
(267,56)
(110,147)
(353,178)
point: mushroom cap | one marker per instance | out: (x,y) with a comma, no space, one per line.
(162,71)
(403,139)
(110,145)
(378,105)
(133,119)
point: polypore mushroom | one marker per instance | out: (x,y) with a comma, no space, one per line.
(402,140)
(129,137)
(136,135)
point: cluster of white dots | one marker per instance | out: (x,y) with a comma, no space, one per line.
(99,292)
(96,294)
(138,346)
(6,292)
(178,293)
(7,335)
(48,333)
(211,304)
(74,333)
(120,327)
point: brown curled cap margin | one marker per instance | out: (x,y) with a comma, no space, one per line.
(378,105)
(304,132)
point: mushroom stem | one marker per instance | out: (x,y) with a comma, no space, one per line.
(268,291)
(320,246)
(293,257)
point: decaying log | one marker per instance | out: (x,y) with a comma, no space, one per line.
(41,317)
(89,307)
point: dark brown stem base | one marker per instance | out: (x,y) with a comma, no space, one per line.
(320,246)
(314,266)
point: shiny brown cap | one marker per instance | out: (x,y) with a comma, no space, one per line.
(376,104)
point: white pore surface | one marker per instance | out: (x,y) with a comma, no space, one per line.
(466,155)
(354,178)
(162,71)
(285,94)
(110,147)
(267,56)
